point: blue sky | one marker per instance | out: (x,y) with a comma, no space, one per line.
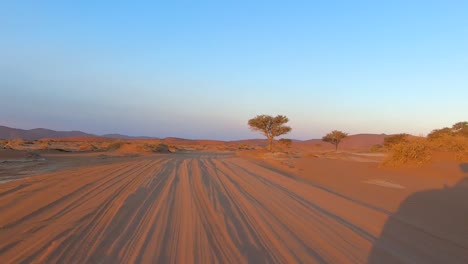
(201,69)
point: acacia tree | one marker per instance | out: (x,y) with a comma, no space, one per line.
(335,138)
(270,126)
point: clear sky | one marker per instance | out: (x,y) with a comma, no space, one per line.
(201,69)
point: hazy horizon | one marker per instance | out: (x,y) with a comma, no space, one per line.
(201,70)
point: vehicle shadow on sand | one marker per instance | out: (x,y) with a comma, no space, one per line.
(429,227)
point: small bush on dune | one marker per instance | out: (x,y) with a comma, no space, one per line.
(245,147)
(161,148)
(404,150)
(456,144)
(395,139)
(16,143)
(458,129)
(411,152)
(438,133)
(454,139)
(87,147)
(114,145)
(285,142)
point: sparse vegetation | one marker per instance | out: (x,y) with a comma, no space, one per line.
(2,143)
(404,150)
(285,142)
(414,151)
(335,137)
(395,139)
(458,129)
(270,126)
(159,148)
(454,139)
(245,147)
(438,133)
(16,143)
(114,145)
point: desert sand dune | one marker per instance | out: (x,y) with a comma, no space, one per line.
(200,208)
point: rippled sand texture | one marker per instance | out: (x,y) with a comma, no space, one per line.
(185,208)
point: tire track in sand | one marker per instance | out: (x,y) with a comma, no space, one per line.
(182,208)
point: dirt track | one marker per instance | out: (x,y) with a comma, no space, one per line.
(187,208)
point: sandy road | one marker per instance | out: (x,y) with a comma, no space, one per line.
(185,208)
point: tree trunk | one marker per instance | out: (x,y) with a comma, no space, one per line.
(336,147)
(270,144)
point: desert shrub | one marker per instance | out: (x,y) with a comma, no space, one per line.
(395,139)
(285,142)
(458,129)
(412,151)
(454,139)
(86,147)
(245,147)
(114,145)
(377,148)
(461,128)
(161,148)
(438,133)
(16,143)
(456,144)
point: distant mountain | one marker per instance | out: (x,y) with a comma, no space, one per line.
(38,133)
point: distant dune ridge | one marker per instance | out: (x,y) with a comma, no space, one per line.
(37,133)
(41,133)
(358,141)
(351,142)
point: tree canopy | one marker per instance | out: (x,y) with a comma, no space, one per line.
(270,126)
(335,138)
